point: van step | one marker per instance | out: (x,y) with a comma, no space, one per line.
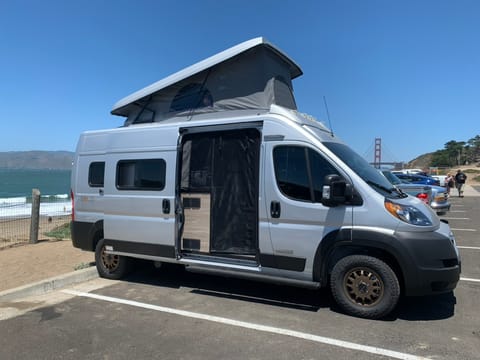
(210,260)
(256,276)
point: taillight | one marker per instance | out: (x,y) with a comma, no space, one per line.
(423,197)
(73,205)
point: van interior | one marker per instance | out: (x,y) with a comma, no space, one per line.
(219,188)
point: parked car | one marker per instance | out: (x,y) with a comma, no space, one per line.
(411,171)
(441,179)
(435,196)
(417,179)
(423,192)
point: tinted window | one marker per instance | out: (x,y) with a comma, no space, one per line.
(319,168)
(300,172)
(146,174)
(291,171)
(96,174)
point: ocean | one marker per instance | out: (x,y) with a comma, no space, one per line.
(16,192)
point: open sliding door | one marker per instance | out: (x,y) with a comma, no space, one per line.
(219,192)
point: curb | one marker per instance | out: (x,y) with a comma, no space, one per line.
(48,285)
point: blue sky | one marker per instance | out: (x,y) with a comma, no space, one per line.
(407,72)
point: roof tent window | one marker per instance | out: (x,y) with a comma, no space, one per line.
(191,96)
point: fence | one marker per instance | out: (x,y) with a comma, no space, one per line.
(50,220)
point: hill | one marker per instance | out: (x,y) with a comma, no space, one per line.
(420,162)
(36,159)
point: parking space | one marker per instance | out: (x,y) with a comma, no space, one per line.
(464,219)
(169,313)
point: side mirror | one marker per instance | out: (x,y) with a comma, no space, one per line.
(335,191)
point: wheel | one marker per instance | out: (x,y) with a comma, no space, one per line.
(110,266)
(364,286)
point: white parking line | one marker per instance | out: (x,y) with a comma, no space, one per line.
(258,327)
(451,218)
(456,211)
(470,279)
(457,229)
(468,247)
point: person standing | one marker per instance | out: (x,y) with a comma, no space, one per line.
(449,182)
(460,179)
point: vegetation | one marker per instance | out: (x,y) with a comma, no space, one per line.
(457,153)
(60,232)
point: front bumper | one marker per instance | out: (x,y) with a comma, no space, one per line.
(434,262)
(440,207)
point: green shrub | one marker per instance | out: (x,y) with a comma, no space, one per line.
(60,232)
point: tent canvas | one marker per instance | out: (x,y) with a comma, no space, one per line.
(252,75)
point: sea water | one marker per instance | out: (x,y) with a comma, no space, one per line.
(16,192)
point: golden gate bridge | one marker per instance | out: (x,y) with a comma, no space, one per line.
(377,157)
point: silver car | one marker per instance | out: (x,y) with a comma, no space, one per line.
(435,196)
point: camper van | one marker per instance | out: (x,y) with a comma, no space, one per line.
(216,170)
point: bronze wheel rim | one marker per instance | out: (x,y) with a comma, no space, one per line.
(109,261)
(363,286)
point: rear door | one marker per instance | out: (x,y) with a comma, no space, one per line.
(294,174)
(88,188)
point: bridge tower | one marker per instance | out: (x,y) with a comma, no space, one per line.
(377,161)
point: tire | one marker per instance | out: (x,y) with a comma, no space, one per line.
(364,286)
(112,267)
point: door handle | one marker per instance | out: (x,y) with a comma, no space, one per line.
(166,206)
(275,209)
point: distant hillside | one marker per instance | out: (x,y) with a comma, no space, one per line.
(36,159)
(421,162)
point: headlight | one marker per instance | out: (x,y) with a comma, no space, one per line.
(407,213)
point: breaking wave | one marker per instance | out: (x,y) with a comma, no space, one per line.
(50,205)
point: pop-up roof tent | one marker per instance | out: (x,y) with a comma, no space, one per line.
(252,75)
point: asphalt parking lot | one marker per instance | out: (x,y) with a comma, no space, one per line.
(169,313)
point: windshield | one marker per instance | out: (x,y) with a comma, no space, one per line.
(392,177)
(372,176)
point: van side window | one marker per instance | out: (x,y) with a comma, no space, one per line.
(300,172)
(319,168)
(142,174)
(291,172)
(96,174)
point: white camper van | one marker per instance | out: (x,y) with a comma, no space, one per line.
(215,169)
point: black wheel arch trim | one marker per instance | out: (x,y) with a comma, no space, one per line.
(86,234)
(342,242)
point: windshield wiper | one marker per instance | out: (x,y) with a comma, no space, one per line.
(381,187)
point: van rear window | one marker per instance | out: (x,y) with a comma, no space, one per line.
(142,174)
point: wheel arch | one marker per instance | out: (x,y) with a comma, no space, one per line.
(97,233)
(85,235)
(344,242)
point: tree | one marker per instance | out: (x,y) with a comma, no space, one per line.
(457,153)
(440,158)
(473,149)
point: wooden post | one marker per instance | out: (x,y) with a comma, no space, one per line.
(35,218)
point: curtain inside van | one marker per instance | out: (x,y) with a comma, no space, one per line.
(226,165)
